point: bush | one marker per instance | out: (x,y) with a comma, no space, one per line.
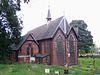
(6,62)
(89,55)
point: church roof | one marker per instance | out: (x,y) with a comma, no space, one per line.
(23,39)
(48,30)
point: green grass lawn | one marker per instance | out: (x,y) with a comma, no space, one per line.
(84,67)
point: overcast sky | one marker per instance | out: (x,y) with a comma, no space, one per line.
(34,14)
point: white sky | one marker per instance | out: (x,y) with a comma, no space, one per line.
(34,14)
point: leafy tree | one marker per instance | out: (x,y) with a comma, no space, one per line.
(10,29)
(93,49)
(85,39)
(19,1)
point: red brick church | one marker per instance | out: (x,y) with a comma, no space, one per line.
(54,43)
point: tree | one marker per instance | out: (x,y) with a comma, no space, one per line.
(85,39)
(94,48)
(10,27)
(19,1)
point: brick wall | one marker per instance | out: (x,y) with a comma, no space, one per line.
(45,48)
(57,57)
(73,59)
(23,51)
(50,47)
(25,45)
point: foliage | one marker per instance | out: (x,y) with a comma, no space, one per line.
(85,67)
(19,2)
(10,29)
(93,49)
(85,39)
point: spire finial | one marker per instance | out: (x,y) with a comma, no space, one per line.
(48,14)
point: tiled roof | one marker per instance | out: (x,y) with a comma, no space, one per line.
(16,46)
(47,31)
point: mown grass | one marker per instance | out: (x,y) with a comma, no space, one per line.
(84,67)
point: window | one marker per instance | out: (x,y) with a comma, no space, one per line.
(30,44)
(60,44)
(19,52)
(71,44)
(29,49)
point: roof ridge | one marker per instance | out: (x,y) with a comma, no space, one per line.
(44,24)
(53,24)
(46,31)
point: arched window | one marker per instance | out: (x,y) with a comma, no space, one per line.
(29,49)
(71,43)
(28,52)
(59,41)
